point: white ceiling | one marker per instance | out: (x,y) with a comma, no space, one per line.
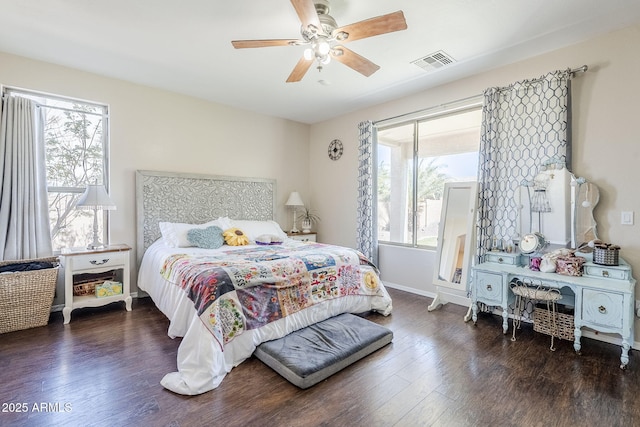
(185,46)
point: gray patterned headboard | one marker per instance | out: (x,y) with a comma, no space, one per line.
(194,199)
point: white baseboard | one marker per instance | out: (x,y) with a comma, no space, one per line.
(463,301)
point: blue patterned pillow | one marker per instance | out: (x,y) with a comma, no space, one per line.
(207,238)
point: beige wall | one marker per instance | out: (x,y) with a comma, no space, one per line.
(605,147)
(159,130)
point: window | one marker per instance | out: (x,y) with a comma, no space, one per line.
(415,159)
(76,141)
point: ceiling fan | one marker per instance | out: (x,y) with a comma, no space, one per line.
(323,36)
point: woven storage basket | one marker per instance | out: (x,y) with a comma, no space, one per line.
(26,296)
(85,284)
(606,256)
(543,323)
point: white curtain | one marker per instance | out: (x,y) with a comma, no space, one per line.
(24,213)
(367,238)
(523,126)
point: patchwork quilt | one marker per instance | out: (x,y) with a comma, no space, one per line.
(242,289)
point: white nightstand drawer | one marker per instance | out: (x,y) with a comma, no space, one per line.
(98,260)
(303,237)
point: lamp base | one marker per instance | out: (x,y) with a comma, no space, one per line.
(93,247)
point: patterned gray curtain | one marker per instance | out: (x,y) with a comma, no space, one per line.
(523,125)
(367,238)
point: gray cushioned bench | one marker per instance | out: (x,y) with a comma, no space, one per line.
(309,355)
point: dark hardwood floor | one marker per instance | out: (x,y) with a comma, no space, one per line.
(104,369)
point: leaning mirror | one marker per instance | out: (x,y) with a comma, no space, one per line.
(455,241)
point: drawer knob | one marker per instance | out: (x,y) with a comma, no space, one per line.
(500,259)
(602,309)
(98,262)
(605,273)
(489,288)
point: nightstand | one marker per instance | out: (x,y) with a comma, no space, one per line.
(87,262)
(303,237)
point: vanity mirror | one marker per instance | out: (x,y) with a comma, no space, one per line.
(585,198)
(556,210)
(455,240)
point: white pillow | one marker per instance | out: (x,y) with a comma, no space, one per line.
(174,234)
(254,229)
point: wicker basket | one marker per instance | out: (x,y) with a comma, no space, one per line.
(543,323)
(26,296)
(85,284)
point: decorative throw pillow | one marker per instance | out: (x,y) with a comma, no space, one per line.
(235,237)
(174,234)
(253,229)
(269,239)
(207,238)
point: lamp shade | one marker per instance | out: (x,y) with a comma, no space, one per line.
(95,197)
(294,199)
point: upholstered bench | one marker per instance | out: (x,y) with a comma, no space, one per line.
(309,355)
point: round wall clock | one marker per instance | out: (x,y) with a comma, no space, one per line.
(335,149)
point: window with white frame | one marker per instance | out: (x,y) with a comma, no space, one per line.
(415,158)
(75,134)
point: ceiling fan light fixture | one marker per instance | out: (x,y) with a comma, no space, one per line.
(320,32)
(322,47)
(308,54)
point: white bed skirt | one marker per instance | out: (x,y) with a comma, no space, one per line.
(202,365)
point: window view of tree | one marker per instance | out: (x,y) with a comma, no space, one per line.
(75,157)
(75,137)
(415,160)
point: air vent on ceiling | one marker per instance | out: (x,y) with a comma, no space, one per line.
(434,61)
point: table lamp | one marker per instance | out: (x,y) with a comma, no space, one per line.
(95,197)
(294,201)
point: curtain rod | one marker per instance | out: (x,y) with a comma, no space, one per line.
(460,104)
(578,70)
(465,103)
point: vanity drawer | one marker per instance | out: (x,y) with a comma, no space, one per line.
(489,288)
(602,308)
(608,272)
(503,258)
(105,259)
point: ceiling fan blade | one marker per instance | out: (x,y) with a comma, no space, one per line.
(353,60)
(242,44)
(300,70)
(306,12)
(372,27)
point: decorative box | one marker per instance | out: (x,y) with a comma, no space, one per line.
(108,288)
(570,265)
(606,255)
